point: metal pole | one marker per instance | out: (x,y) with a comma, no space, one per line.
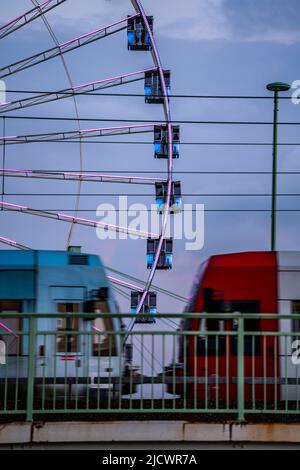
(274,174)
(275,87)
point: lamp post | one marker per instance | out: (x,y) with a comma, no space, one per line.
(276,87)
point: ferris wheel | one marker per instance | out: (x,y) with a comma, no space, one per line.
(166,140)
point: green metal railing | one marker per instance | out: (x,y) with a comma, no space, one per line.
(160,368)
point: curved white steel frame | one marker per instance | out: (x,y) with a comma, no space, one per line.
(13,243)
(22,20)
(63,48)
(157,62)
(74,220)
(75,176)
(84,88)
(86,133)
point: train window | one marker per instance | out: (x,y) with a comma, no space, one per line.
(103,344)
(161,141)
(296,321)
(137,34)
(12,343)
(211,345)
(251,325)
(67,342)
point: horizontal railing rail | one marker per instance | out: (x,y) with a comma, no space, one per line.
(227,363)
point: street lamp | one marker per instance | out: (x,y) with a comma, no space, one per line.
(275,87)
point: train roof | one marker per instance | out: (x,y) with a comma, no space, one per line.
(32,258)
(256,258)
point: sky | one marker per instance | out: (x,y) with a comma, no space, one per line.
(212,47)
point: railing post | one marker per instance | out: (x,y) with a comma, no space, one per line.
(241,370)
(31,368)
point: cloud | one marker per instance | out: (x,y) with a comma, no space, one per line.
(264,20)
(202,20)
(270,21)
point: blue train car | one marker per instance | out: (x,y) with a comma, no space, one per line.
(66,282)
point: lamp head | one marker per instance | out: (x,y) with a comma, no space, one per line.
(278,86)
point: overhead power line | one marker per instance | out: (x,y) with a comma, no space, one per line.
(117,194)
(182,96)
(132,142)
(145,121)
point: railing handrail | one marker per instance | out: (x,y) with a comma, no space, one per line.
(182,316)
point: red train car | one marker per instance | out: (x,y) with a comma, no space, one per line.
(249,283)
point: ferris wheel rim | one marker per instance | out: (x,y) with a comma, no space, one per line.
(137,5)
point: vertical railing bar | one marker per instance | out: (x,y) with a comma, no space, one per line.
(276,373)
(241,370)
(5,387)
(265,370)
(86,348)
(98,356)
(66,373)
(163,375)
(131,375)
(120,345)
(152,369)
(253,386)
(195,371)
(227,372)
(109,367)
(297,385)
(142,370)
(17,370)
(286,375)
(76,384)
(54,370)
(206,374)
(44,374)
(217,371)
(31,369)
(174,337)
(185,373)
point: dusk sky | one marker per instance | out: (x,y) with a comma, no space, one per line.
(212,47)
